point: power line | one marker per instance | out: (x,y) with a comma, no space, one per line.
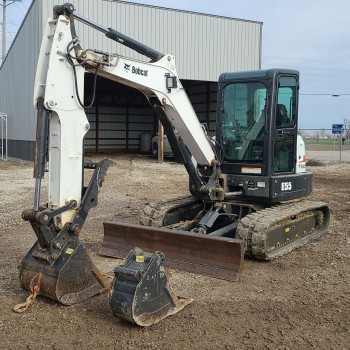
(307,59)
(12,23)
(314,68)
(19,8)
(332,95)
(4,32)
(25,7)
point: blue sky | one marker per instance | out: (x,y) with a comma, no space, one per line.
(312,36)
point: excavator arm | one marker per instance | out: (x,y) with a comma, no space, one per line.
(60,82)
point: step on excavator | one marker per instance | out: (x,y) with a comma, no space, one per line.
(247,184)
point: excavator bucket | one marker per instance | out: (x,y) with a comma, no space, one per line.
(208,255)
(140,291)
(69,279)
(58,265)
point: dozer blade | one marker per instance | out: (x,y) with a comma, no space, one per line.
(193,252)
(72,278)
(140,291)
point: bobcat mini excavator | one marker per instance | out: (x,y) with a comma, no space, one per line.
(238,181)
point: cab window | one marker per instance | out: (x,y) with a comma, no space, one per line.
(284,147)
(286,102)
(243,121)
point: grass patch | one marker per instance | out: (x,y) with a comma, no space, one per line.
(326,145)
(314,162)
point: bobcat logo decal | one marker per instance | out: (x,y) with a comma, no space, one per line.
(127,67)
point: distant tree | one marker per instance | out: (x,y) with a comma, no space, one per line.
(303,133)
(300,132)
(346,123)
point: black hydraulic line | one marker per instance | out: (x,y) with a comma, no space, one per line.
(41,140)
(90,23)
(168,128)
(221,232)
(191,169)
(67,10)
(178,147)
(122,39)
(70,61)
(40,152)
(134,45)
(207,221)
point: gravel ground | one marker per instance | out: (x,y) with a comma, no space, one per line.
(299,301)
(329,156)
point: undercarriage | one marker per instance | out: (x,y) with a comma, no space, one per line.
(258,231)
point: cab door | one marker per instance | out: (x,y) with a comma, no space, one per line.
(285,125)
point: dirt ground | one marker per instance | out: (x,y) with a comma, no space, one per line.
(299,301)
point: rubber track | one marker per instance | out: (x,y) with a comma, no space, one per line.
(254,227)
(153,213)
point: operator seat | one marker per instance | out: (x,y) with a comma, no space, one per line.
(282,119)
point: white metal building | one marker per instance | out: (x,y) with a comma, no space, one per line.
(204,46)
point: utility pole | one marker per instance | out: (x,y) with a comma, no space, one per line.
(3,30)
(4,6)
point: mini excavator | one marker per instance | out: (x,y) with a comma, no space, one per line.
(247,184)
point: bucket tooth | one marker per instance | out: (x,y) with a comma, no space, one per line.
(69,279)
(140,291)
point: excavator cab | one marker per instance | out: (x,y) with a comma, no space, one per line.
(260,169)
(258,138)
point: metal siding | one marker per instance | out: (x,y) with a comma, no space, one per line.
(17,79)
(204,45)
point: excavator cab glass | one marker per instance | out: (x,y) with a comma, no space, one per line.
(285,125)
(243,121)
(257,119)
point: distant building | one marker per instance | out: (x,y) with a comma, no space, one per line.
(204,46)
